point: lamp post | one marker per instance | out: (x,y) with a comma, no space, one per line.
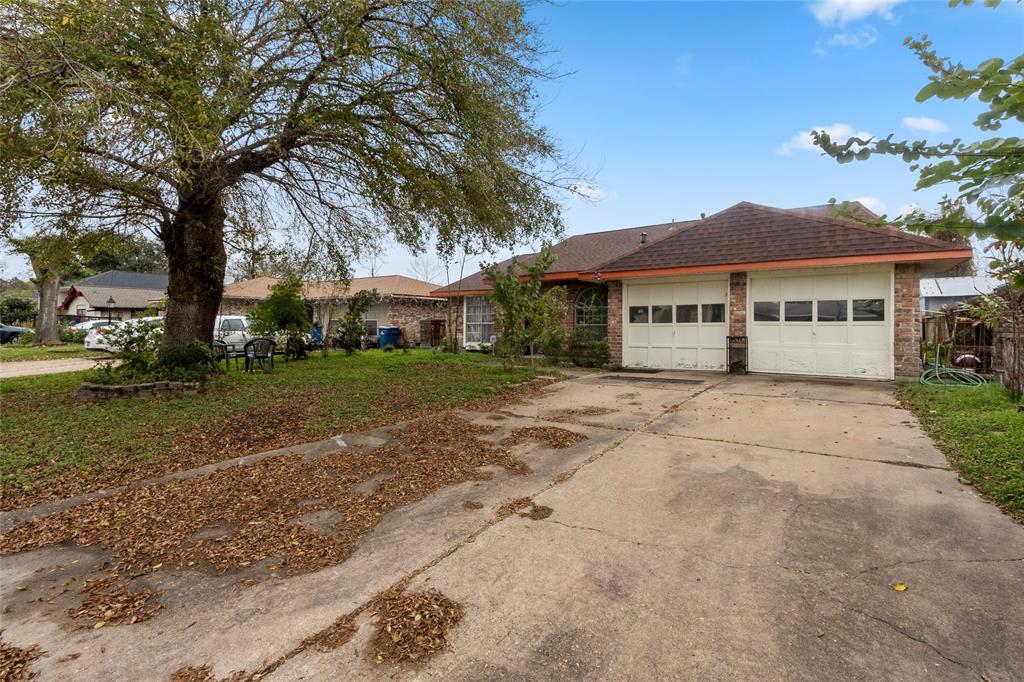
(110,304)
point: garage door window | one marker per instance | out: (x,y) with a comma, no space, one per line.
(766,311)
(686,314)
(638,314)
(798,311)
(713,312)
(831,311)
(661,314)
(868,310)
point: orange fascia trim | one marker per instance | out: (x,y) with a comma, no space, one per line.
(463,292)
(787,264)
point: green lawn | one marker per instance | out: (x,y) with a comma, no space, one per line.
(982,434)
(16,353)
(54,446)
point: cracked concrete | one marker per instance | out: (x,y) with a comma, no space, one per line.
(740,528)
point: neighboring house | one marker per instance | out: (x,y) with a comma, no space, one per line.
(117,294)
(813,294)
(405,302)
(940,292)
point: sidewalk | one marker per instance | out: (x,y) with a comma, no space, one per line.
(30,368)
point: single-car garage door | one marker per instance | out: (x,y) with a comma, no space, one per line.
(677,325)
(834,324)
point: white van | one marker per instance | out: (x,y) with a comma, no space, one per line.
(232,330)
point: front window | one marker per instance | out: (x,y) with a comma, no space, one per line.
(479,320)
(590,312)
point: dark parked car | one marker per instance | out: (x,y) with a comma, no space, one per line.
(9,333)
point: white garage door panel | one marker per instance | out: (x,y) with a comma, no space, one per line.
(677,344)
(854,348)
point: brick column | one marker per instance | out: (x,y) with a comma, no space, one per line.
(907,321)
(737,304)
(615,321)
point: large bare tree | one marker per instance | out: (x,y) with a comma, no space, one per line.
(343,120)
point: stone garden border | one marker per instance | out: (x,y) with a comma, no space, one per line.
(89,392)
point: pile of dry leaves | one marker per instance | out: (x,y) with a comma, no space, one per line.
(413,626)
(15,662)
(335,636)
(204,673)
(109,604)
(534,511)
(260,506)
(553,436)
(574,414)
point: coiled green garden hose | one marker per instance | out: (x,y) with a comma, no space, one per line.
(940,375)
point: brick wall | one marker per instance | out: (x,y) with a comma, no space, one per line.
(407,313)
(615,321)
(907,320)
(235,306)
(738,304)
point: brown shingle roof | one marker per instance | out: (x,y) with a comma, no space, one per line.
(388,285)
(749,233)
(124,298)
(579,253)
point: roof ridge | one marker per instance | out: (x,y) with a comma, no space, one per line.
(849,222)
(635,227)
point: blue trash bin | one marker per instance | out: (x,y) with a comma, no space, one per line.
(388,336)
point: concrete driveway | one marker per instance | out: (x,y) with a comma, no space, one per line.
(711,527)
(29,368)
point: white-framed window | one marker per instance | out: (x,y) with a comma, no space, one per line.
(479,320)
(590,312)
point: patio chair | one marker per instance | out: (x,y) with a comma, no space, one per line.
(220,352)
(259,350)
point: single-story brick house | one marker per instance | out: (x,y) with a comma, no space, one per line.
(405,302)
(814,294)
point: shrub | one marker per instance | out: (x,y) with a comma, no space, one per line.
(388,348)
(586,351)
(68,336)
(193,362)
(282,311)
(17,310)
(351,327)
(26,338)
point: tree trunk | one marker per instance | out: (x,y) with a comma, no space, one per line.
(48,286)
(194,243)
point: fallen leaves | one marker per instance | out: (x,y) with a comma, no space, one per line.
(257,509)
(900,587)
(334,637)
(574,414)
(411,627)
(470,505)
(108,604)
(551,435)
(512,506)
(204,673)
(15,662)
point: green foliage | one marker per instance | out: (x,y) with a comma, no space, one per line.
(988,173)
(26,338)
(524,314)
(68,336)
(344,121)
(980,431)
(283,311)
(132,253)
(585,350)
(351,329)
(17,310)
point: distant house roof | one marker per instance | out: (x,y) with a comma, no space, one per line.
(842,207)
(748,233)
(957,286)
(124,298)
(579,253)
(388,285)
(154,281)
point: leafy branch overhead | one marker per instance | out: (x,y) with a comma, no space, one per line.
(988,173)
(337,122)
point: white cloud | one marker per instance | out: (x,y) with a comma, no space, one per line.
(803,141)
(873,204)
(911,207)
(925,124)
(858,40)
(832,12)
(588,191)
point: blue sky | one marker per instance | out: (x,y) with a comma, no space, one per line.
(678,108)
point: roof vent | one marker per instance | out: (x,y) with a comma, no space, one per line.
(643,237)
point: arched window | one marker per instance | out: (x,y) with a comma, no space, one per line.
(590,312)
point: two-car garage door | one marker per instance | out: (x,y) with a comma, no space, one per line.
(835,322)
